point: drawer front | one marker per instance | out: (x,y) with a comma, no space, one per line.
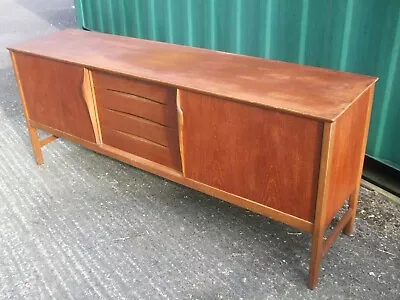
(134,87)
(138,117)
(141,147)
(164,114)
(140,127)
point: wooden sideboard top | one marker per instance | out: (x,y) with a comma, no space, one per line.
(309,91)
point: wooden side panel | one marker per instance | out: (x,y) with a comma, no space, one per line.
(54,96)
(262,155)
(348,147)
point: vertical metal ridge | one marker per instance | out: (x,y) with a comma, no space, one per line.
(124,23)
(238,22)
(100,24)
(80,20)
(268,30)
(189,18)
(213,25)
(87,13)
(152,20)
(303,31)
(170,29)
(138,21)
(111,10)
(346,35)
(387,96)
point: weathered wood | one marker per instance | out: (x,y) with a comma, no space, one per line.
(89,96)
(176,176)
(53,94)
(303,90)
(33,134)
(266,156)
(324,182)
(353,200)
(47,140)
(348,154)
(282,140)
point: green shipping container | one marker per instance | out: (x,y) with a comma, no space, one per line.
(361,36)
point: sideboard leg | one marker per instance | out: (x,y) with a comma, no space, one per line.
(353,200)
(316,257)
(36,145)
(321,205)
(348,229)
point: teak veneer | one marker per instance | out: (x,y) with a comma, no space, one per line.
(283,140)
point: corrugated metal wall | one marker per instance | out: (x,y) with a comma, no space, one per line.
(360,36)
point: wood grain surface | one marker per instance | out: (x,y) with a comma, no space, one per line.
(90,99)
(324,180)
(140,127)
(138,117)
(258,154)
(145,148)
(279,139)
(314,92)
(353,201)
(161,113)
(176,176)
(155,92)
(54,96)
(33,133)
(348,149)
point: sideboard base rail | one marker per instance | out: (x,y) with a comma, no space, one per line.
(47,140)
(177,177)
(324,244)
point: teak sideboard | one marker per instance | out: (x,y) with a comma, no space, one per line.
(283,140)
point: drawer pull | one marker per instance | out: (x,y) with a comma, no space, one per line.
(156,92)
(180,130)
(88,96)
(134,96)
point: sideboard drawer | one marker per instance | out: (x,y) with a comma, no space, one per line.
(138,117)
(164,114)
(140,127)
(134,87)
(163,155)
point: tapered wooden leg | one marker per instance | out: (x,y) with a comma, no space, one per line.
(316,258)
(32,131)
(322,200)
(353,200)
(36,145)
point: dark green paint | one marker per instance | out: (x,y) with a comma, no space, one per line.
(361,36)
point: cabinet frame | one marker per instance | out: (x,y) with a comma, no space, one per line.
(330,141)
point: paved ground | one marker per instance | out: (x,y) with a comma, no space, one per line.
(86,227)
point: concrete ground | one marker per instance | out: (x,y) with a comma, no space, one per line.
(84,226)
